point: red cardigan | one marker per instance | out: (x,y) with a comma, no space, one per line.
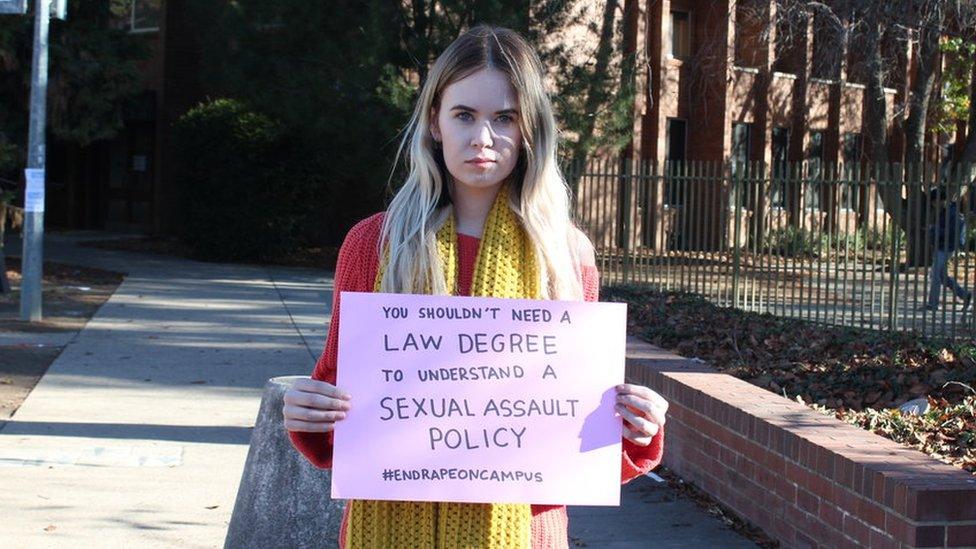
(356,272)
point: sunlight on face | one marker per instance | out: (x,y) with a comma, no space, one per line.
(478,128)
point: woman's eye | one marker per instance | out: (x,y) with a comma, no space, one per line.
(505,118)
(465,116)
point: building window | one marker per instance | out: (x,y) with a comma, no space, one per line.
(852,148)
(781,149)
(137,15)
(680,34)
(676,155)
(739,160)
(815,167)
(852,156)
(740,148)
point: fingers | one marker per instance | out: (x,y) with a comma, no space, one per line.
(314,406)
(638,425)
(321,387)
(635,437)
(644,400)
(314,400)
(312,415)
(644,407)
(643,410)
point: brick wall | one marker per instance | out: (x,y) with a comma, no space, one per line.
(808,480)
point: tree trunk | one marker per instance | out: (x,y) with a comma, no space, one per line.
(918,109)
(877,111)
(907,213)
(916,226)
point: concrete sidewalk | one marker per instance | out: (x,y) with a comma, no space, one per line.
(137,435)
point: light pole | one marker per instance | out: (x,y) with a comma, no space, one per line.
(32,253)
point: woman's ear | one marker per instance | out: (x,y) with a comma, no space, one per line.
(435,129)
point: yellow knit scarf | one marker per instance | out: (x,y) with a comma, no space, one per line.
(505,267)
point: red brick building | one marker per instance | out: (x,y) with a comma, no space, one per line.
(124,184)
(726,81)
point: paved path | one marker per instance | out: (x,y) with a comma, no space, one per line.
(138,433)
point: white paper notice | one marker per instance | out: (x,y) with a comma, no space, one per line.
(34,196)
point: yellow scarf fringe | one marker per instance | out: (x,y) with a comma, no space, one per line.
(505,267)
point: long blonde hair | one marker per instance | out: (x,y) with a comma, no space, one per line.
(538,192)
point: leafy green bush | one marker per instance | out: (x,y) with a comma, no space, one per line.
(236,197)
(799,242)
(791,242)
(881,240)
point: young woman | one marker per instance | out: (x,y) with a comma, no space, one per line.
(484,211)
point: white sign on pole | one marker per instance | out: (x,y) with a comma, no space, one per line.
(59,9)
(16,7)
(34,195)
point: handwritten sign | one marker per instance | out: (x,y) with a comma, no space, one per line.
(479,400)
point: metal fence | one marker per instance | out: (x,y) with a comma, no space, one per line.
(854,245)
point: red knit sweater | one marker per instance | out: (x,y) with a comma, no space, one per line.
(356,272)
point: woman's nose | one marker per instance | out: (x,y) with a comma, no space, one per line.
(482,136)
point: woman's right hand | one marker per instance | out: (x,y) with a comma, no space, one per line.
(314,406)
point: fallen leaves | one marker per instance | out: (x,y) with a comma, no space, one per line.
(856,375)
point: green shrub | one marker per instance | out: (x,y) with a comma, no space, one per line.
(800,242)
(236,197)
(881,240)
(791,242)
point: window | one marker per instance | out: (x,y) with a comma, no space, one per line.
(852,156)
(680,34)
(781,148)
(676,155)
(137,15)
(740,147)
(815,161)
(852,148)
(740,159)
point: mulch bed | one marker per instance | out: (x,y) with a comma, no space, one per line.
(858,376)
(71,295)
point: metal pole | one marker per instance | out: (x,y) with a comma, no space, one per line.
(31,261)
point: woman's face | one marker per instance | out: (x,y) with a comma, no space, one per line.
(478,127)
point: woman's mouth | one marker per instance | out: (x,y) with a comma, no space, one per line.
(481,162)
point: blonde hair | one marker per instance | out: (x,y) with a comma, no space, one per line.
(539,195)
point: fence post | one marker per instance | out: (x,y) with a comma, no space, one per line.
(736,251)
(625,206)
(893,173)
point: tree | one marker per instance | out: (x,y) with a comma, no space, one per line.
(342,78)
(93,75)
(593,99)
(881,28)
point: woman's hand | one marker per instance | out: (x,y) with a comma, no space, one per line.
(314,406)
(643,411)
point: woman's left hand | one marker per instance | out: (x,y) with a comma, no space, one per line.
(643,411)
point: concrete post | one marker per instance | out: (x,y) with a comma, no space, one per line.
(283,500)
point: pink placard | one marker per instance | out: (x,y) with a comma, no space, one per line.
(479,400)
